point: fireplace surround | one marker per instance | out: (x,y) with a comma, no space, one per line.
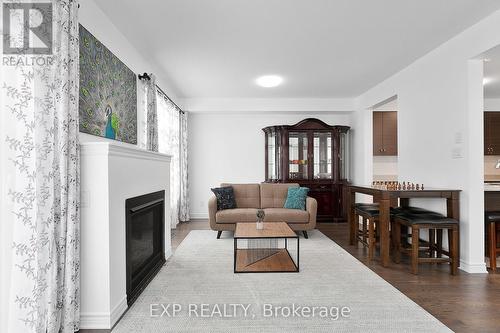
(145,223)
(111,173)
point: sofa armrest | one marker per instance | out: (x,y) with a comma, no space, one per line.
(212,210)
(312,208)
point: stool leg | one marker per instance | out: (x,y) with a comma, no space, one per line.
(415,235)
(439,252)
(432,242)
(397,242)
(364,230)
(371,239)
(453,245)
(356,228)
(492,236)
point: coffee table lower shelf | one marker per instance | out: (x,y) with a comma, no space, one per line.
(279,261)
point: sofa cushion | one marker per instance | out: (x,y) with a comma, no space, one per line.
(274,195)
(246,195)
(236,215)
(286,215)
(296,198)
(225,197)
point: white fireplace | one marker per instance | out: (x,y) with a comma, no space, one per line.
(110,174)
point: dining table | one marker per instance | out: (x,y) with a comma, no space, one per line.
(385,196)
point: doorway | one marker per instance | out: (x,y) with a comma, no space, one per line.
(491,95)
(385,140)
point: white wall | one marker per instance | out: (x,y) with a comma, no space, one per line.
(440,126)
(230,148)
(492,104)
(385,168)
(99,25)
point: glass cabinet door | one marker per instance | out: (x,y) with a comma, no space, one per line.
(273,155)
(297,155)
(344,156)
(322,155)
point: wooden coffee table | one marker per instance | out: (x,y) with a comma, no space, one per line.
(266,250)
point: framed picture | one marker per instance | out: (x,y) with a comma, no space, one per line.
(108,92)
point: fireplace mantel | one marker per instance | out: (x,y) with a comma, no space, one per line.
(111,173)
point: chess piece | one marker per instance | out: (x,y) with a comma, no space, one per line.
(399,186)
(404,186)
(418,187)
(422,187)
(412,186)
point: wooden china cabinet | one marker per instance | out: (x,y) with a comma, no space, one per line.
(315,155)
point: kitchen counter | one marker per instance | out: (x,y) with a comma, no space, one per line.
(492,187)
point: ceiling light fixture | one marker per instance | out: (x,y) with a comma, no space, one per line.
(269,81)
(487,80)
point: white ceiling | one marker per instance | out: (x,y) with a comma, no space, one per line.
(492,73)
(322,48)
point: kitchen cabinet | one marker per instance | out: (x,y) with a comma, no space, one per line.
(492,133)
(385,133)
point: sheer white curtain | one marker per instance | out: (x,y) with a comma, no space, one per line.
(40,102)
(169,127)
(184,198)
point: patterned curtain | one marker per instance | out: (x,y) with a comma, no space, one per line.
(40,105)
(183,160)
(151,114)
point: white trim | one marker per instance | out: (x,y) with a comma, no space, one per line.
(118,310)
(168,253)
(121,150)
(266,105)
(94,320)
(103,320)
(477,268)
(198,215)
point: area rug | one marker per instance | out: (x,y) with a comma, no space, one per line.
(197,291)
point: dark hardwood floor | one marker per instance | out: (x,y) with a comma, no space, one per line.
(464,303)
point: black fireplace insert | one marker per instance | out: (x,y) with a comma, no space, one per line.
(145,233)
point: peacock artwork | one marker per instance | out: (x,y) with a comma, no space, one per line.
(108,92)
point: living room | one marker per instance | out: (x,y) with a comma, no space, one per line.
(263,166)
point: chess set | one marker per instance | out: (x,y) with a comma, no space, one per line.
(397,186)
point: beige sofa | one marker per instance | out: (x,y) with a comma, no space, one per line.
(269,197)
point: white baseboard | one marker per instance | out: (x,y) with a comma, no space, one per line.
(103,320)
(168,253)
(198,215)
(95,320)
(118,310)
(474,268)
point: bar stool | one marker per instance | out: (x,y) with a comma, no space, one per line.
(431,222)
(369,214)
(492,218)
(414,210)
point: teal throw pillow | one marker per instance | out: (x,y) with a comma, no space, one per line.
(296,198)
